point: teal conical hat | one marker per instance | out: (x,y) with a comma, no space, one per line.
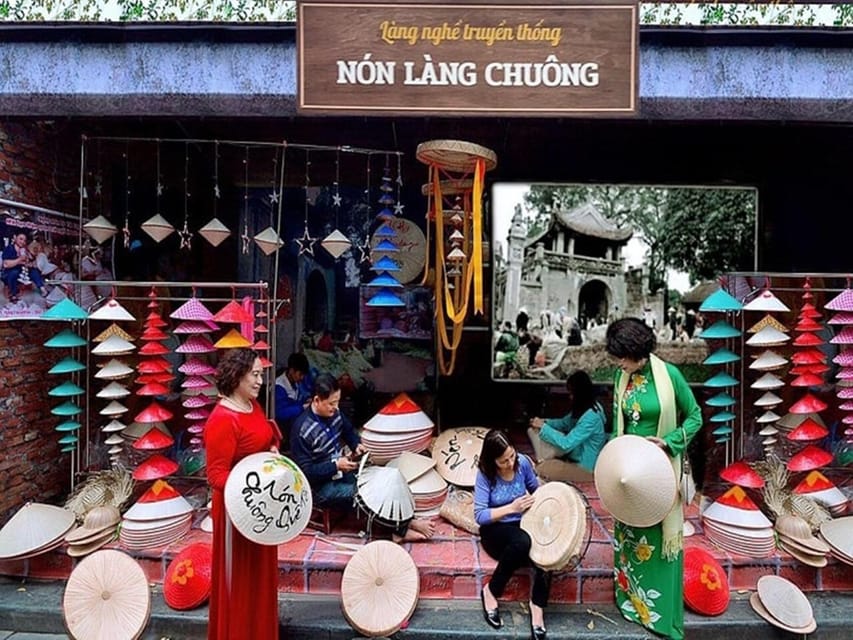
(722,379)
(68,425)
(720,329)
(69,439)
(68,448)
(67,388)
(723,416)
(720,400)
(65,339)
(720,300)
(67,365)
(721,431)
(66,409)
(385,264)
(64,310)
(723,439)
(384,279)
(385,298)
(721,356)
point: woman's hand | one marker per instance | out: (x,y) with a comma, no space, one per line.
(537,423)
(660,442)
(522,503)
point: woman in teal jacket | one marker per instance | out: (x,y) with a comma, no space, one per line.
(568,447)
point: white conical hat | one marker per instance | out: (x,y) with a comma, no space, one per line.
(430,482)
(114,439)
(768,381)
(34,526)
(113,426)
(768,337)
(768,399)
(557,525)
(412,465)
(769,430)
(113,390)
(161,501)
(111,310)
(113,370)
(398,416)
(735,508)
(384,493)
(765,301)
(785,602)
(113,346)
(767,361)
(114,408)
(767,416)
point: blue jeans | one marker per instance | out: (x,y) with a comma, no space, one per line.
(10,277)
(336,493)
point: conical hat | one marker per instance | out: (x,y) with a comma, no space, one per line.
(845,336)
(557,524)
(456,453)
(154,365)
(720,300)
(765,301)
(768,361)
(65,309)
(67,365)
(721,400)
(818,487)
(721,379)
(412,465)
(154,319)
(65,390)
(385,494)
(111,310)
(721,356)
(741,473)
(196,343)
(808,310)
(113,370)
(232,340)
(153,333)
(808,429)
(811,457)
(196,382)
(808,340)
(114,439)
(153,349)
(65,339)
(34,526)
(724,416)
(113,426)
(68,425)
(159,502)
(735,508)
(186,584)
(761,610)
(106,597)
(838,533)
(154,412)
(262,519)
(232,313)
(153,440)
(152,389)
(809,356)
(842,302)
(843,317)
(767,321)
(196,367)
(768,399)
(635,481)
(93,543)
(66,409)
(815,369)
(800,552)
(720,330)
(706,587)
(808,404)
(97,520)
(154,468)
(114,408)
(768,381)
(197,326)
(429,483)
(379,589)
(785,602)
(113,330)
(113,346)
(192,309)
(808,324)
(768,337)
(113,390)
(798,529)
(767,416)
(399,416)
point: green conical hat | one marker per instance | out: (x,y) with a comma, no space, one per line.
(64,310)
(720,300)
(67,388)
(67,365)
(65,339)
(721,356)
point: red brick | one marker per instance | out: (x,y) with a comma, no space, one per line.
(518,587)
(745,576)
(436,585)
(465,587)
(565,588)
(324,581)
(292,580)
(599,555)
(836,576)
(597,589)
(804,576)
(296,551)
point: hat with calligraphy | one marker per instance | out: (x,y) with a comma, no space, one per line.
(456,452)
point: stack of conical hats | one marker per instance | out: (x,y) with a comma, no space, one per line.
(34,529)
(733,522)
(98,528)
(426,484)
(838,534)
(781,603)
(399,426)
(820,489)
(794,536)
(842,321)
(160,517)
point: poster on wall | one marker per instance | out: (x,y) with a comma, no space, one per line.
(412,320)
(571,258)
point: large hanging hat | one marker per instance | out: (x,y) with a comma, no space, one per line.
(106,598)
(787,605)
(187,581)
(384,494)
(196,367)
(456,453)
(65,390)
(65,309)
(557,525)
(808,404)
(721,379)
(379,589)
(34,528)
(807,430)
(721,356)
(706,587)
(267,498)
(768,399)
(196,326)
(635,481)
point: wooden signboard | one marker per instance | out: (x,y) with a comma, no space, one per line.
(497,58)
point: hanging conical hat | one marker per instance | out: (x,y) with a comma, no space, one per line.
(765,301)
(635,481)
(154,319)
(153,333)
(34,526)
(65,339)
(161,501)
(724,416)
(720,300)
(113,346)
(153,349)
(196,382)
(721,356)
(556,524)
(768,430)
(843,317)
(768,337)
(845,336)
(720,330)
(808,429)
(114,439)
(97,520)
(114,408)
(66,409)
(768,399)
(106,598)
(735,508)
(842,302)
(196,367)
(154,365)
(384,493)
(232,340)
(153,440)
(741,473)
(399,416)
(65,390)
(721,400)
(67,365)
(152,389)
(197,401)
(808,324)
(113,390)
(767,416)
(264,520)
(154,468)
(721,379)
(113,426)
(814,369)
(456,453)
(808,356)
(768,381)
(785,602)
(233,313)
(157,227)
(269,241)
(808,340)
(196,343)
(65,309)
(379,589)
(196,326)
(768,361)
(161,377)
(186,584)
(100,229)
(197,414)
(412,465)
(153,413)
(808,310)
(113,370)
(68,425)
(113,330)
(192,309)
(111,310)
(706,587)
(808,404)
(767,321)
(811,457)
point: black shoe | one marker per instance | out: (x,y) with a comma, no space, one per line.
(537,633)
(493,616)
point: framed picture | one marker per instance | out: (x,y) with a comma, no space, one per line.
(571,258)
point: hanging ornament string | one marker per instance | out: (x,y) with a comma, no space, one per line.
(185,233)
(216,193)
(244,237)
(364,247)
(306,242)
(398,207)
(274,195)
(336,197)
(126,229)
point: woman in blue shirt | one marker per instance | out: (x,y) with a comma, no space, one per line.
(503,491)
(568,447)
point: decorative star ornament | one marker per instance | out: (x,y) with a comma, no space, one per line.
(98,187)
(216,192)
(306,243)
(364,251)
(273,197)
(400,180)
(336,200)
(186,237)
(125,231)
(398,209)
(159,189)
(245,240)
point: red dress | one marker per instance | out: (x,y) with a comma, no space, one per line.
(248,610)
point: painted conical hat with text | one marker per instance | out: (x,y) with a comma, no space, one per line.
(399,416)
(456,453)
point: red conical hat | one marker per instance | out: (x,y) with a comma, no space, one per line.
(233,313)
(808,429)
(261,328)
(260,345)
(153,439)
(808,324)
(155,467)
(153,413)
(266,363)
(192,309)
(744,475)
(162,377)
(807,380)
(811,457)
(808,404)
(152,389)
(153,349)
(814,481)
(399,415)
(807,339)
(737,499)
(706,587)
(154,365)
(154,333)
(154,319)
(187,581)
(161,501)
(808,310)
(808,356)
(734,507)
(816,369)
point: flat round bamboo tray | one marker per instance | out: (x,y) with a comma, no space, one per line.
(455,155)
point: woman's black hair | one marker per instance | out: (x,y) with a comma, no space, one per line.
(495,445)
(630,338)
(580,386)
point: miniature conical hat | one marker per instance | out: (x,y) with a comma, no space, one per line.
(792,420)
(113,330)
(153,413)
(113,346)
(761,610)
(196,326)
(154,365)
(741,473)
(706,587)
(233,313)
(721,356)
(456,453)
(161,377)
(724,416)
(721,379)
(808,356)
(399,416)
(768,399)
(153,349)
(152,389)
(97,520)
(67,365)
(785,602)
(808,324)
(720,330)
(161,501)
(114,408)
(412,465)
(818,487)
(114,439)
(808,404)
(768,361)
(186,584)
(196,382)
(556,524)
(153,439)
(66,389)
(735,508)
(842,302)
(767,321)
(196,343)
(113,426)
(65,309)
(720,300)
(768,430)
(195,367)
(768,381)
(34,526)
(379,589)
(232,340)
(113,370)
(264,520)
(635,481)
(814,369)
(767,416)
(65,339)
(808,429)
(111,310)
(106,597)
(384,492)
(765,301)
(808,339)
(153,333)
(67,408)
(113,391)
(192,309)
(721,400)
(155,467)
(768,337)
(845,336)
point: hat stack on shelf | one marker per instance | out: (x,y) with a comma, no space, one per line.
(794,536)
(733,522)
(768,333)
(426,484)
(723,403)
(383,249)
(160,517)
(838,534)
(399,426)
(842,305)
(820,489)
(98,528)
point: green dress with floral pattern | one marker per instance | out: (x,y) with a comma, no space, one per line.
(649,587)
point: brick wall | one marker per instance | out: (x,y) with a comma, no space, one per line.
(37,161)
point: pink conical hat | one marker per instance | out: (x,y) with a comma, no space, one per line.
(845,336)
(196,326)
(842,302)
(197,427)
(808,404)
(197,414)
(845,393)
(261,328)
(845,373)
(260,345)
(196,402)
(846,406)
(196,367)
(196,343)
(195,382)
(192,309)
(842,317)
